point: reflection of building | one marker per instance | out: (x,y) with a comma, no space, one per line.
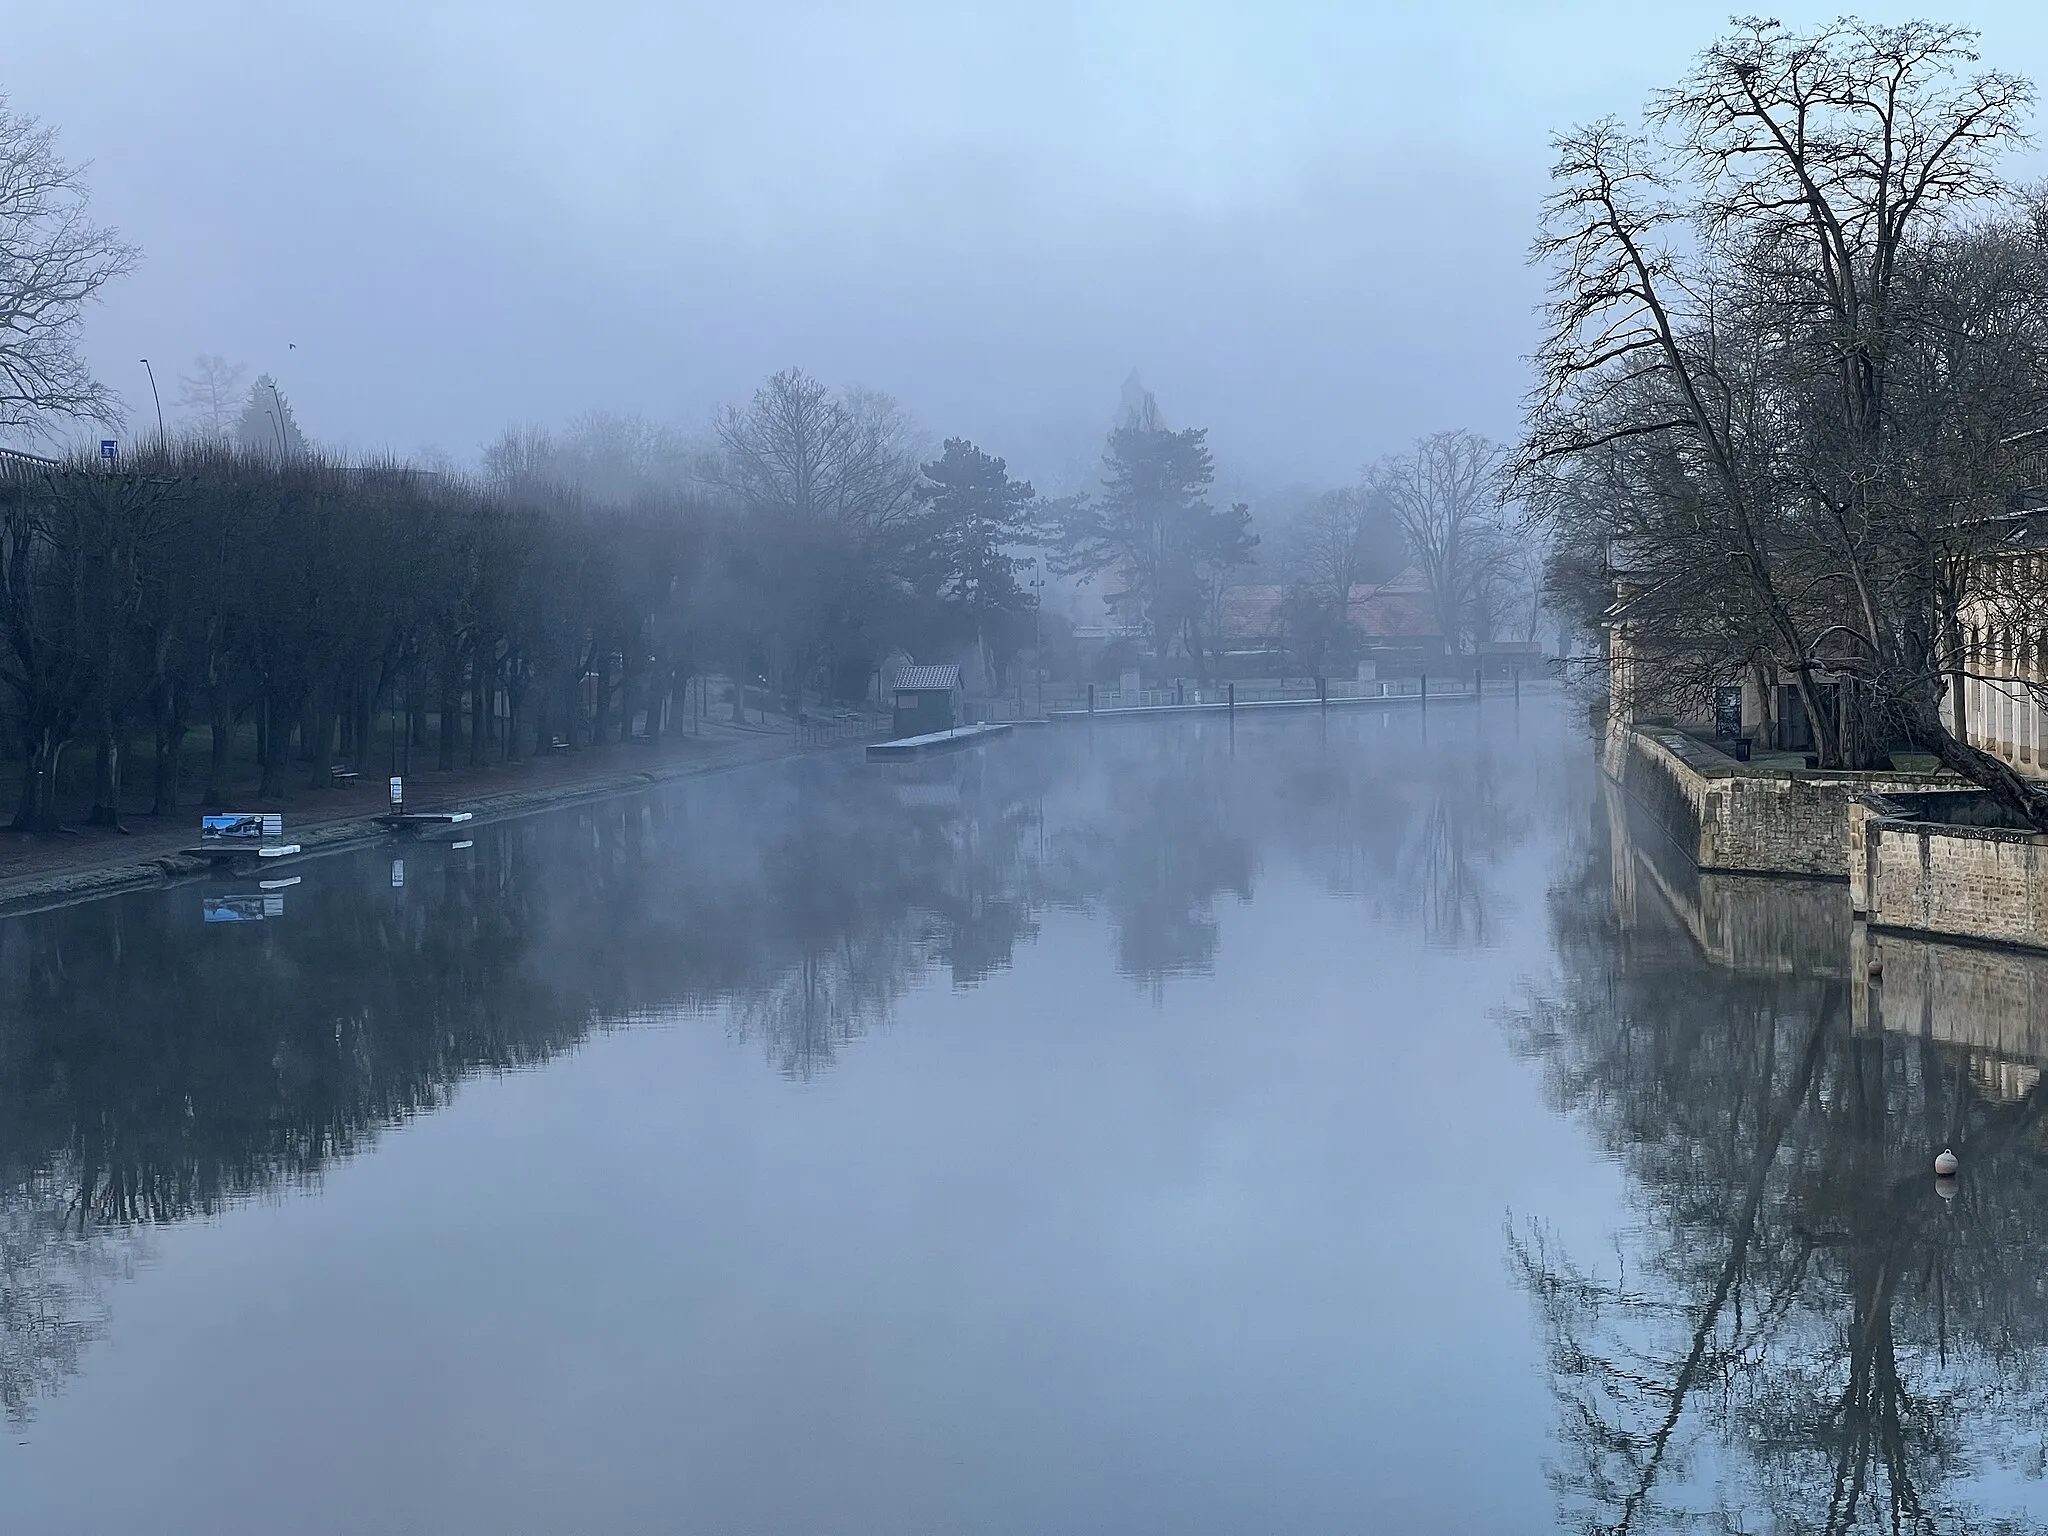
(252,908)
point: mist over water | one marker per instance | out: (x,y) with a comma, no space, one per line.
(1120,1128)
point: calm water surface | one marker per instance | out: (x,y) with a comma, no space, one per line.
(1325,1125)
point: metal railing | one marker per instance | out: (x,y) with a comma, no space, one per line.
(1269,691)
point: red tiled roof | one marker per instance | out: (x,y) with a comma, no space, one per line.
(1397,609)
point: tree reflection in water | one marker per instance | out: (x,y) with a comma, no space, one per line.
(152,1067)
(1799,1333)
(1421,848)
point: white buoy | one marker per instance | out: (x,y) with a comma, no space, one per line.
(1945,1164)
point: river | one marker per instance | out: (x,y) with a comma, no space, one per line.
(1311,1124)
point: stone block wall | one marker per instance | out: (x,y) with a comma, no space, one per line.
(1738,821)
(1986,883)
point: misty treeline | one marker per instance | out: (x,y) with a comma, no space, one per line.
(1794,389)
(570,590)
(204,584)
(230,578)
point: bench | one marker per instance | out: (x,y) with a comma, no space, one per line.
(341,776)
(559,744)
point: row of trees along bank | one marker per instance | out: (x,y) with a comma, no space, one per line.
(1794,389)
(197,585)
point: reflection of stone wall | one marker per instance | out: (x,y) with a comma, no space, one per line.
(1736,820)
(1990,1002)
(1752,923)
(1993,1001)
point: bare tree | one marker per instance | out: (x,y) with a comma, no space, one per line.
(53,260)
(824,483)
(1739,378)
(1446,495)
(800,450)
(210,397)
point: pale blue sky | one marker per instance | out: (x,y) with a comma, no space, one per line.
(1305,224)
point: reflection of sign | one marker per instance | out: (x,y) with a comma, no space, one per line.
(1728,712)
(107,449)
(242,909)
(240,827)
(397,873)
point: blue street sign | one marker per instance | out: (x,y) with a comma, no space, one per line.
(107,449)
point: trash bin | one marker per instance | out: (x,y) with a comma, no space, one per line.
(1742,749)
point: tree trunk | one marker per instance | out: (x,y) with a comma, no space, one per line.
(1827,736)
(170,751)
(37,809)
(657,705)
(106,781)
(2003,782)
(1767,711)
(313,739)
(365,727)
(451,718)
(275,761)
(316,739)
(482,688)
(223,728)
(601,709)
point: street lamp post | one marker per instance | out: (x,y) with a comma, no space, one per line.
(283,447)
(153,395)
(1037,585)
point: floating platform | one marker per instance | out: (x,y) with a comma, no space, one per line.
(404,821)
(227,853)
(936,741)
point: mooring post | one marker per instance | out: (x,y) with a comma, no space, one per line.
(1233,700)
(1091,698)
(1425,690)
(1323,692)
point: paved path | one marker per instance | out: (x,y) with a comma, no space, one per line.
(47,871)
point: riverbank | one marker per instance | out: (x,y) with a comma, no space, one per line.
(1921,853)
(85,863)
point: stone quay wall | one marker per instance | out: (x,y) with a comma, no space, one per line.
(1736,820)
(1922,866)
